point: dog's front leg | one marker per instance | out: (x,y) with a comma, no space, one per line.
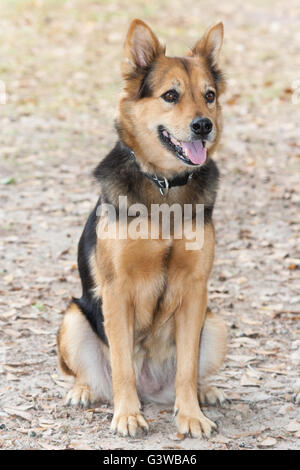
(119,327)
(189,320)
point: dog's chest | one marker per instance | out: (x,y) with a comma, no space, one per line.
(147,273)
(154,275)
(157,273)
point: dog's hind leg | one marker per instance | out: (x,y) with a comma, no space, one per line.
(211,356)
(81,354)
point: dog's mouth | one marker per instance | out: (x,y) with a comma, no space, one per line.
(191,153)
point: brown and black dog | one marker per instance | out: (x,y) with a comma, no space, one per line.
(141,330)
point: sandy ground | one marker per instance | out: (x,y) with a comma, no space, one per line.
(60,71)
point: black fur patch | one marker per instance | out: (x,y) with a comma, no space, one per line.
(90,306)
(142,75)
(185,63)
(145,90)
(86,245)
(216,73)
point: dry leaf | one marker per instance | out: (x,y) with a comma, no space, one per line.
(276,369)
(19,413)
(46,423)
(79,445)
(241,359)
(221,439)
(293,426)
(269,352)
(268,442)
(12,377)
(246,434)
(101,410)
(38,331)
(247,381)
(47,446)
(13,333)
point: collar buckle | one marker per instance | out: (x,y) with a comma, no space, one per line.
(162,183)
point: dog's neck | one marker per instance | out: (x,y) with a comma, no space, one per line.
(119,174)
(164,184)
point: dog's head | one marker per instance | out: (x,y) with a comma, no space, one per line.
(169,111)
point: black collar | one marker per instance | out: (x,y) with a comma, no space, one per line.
(165,184)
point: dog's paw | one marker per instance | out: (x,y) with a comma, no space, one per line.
(79,395)
(128,424)
(211,395)
(195,426)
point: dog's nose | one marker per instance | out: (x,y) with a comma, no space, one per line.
(201,126)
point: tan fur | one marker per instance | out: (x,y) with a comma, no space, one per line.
(140,118)
(146,115)
(154,292)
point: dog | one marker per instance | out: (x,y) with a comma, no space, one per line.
(141,330)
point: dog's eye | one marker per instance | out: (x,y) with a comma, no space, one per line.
(171,96)
(210,96)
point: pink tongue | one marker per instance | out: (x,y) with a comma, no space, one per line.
(195,150)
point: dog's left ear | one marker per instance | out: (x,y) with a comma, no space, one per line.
(141,48)
(210,44)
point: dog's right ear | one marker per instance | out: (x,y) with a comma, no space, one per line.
(210,44)
(141,48)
